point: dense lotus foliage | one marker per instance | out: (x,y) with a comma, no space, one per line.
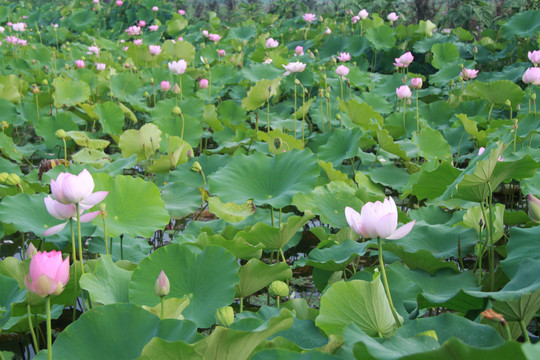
(347,185)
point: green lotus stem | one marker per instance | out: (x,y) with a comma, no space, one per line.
(180,84)
(162,307)
(385,282)
(341,88)
(524,331)
(37,107)
(209,86)
(322,117)
(122,247)
(74,254)
(282,255)
(80,237)
(417,115)
(272,215)
(34,339)
(303,116)
(183,124)
(277,301)
(294,114)
(492,247)
(361,27)
(105,234)
(507,330)
(202,192)
(65,149)
(490,109)
(49,328)
(404,112)
(241,303)
(267,116)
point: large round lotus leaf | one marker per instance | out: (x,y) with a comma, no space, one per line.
(207,279)
(337,257)
(116,331)
(498,92)
(283,354)
(69,92)
(266,180)
(133,206)
(11,293)
(524,24)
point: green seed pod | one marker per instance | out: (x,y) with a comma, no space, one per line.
(13,180)
(176,110)
(196,167)
(3,177)
(225,316)
(278,288)
(60,133)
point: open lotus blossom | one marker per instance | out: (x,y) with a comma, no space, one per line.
(534,57)
(532,76)
(342,70)
(378,219)
(182,12)
(327,31)
(93,50)
(468,73)
(221,53)
(153,27)
(271,43)
(344,57)
(48,274)
(416,83)
(100,66)
(355,19)
(20,26)
(165,86)
(154,49)
(214,37)
(299,50)
(119,2)
(155,9)
(141,23)
(309,18)
(133,30)
(404,60)
(294,67)
(363,14)
(481,151)
(178,67)
(65,212)
(2,29)
(79,64)
(403,92)
(73,189)
(392,17)
(137,42)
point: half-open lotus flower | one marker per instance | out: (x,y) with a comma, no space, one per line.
(65,212)
(404,60)
(378,219)
(309,18)
(73,189)
(48,273)
(294,67)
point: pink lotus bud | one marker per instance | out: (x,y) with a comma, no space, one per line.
(299,50)
(392,17)
(100,66)
(327,31)
(165,86)
(355,19)
(155,8)
(31,251)
(363,14)
(214,37)
(96,1)
(162,286)
(205,33)
(119,2)
(221,52)
(403,92)
(141,23)
(79,64)
(342,70)
(153,27)
(534,208)
(180,38)
(182,12)
(137,42)
(416,83)
(532,76)
(154,50)
(48,273)
(534,57)
(203,84)
(176,89)
(271,43)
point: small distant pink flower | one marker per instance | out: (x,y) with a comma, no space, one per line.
(299,50)
(55,26)
(355,19)
(404,60)
(133,30)
(203,84)
(532,76)
(416,83)
(344,57)
(96,1)
(119,2)
(205,33)
(165,86)
(363,14)
(25,17)
(20,26)
(271,43)
(141,23)
(327,31)
(22,42)
(125,48)
(180,38)
(403,92)
(100,66)
(267,60)
(214,37)
(309,18)
(137,42)
(155,9)
(79,64)
(534,57)
(221,52)
(153,27)
(182,12)
(93,50)
(342,70)
(9,23)
(154,49)
(392,17)
(468,73)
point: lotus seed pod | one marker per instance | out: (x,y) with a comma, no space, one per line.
(13,180)
(45,82)
(162,286)
(225,316)
(3,177)
(278,288)
(176,110)
(60,133)
(508,103)
(196,167)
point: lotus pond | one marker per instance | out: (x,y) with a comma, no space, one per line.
(342,185)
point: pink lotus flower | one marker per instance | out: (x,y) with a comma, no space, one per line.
(403,92)
(73,189)
(271,43)
(392,17)
(162,285)
(100,66)
(267,60)
(182,12)
(342,70)
(79,64)
(2,29)
(141,23)
(214,37)
(221,52)
(49,274)
(180,38)
(154,49)
(404,60)
(363,14)
(93,50)
(481,151)
(119,2)
(137,42)
(96,1)
(299,50)
(377,220)
(355,19)
(203,84)
(309,18)
(532,76)
(468,73)
(534,57)
(153,27)
(65,212)
(294,67)
(416,83)
(155,9)
(344,57)
(133,30)
(205,33)
(165,86)
(327,31)
(178,67)
(20,26)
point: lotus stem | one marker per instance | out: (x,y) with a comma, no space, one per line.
(34,339)
(294,114)
(277,301)
(267,116)
(417,115)
(162,307)
(492,247)
(65,149)
(105,234)
(80,238)
(507,330)
(524,331)
(303,116)
(241,303)
(74,254)
(49,328)
(385,282)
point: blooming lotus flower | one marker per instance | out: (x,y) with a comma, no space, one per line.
(532,76)
(48,273)
(182,12)
(214,37)
(155,9)
(178,67)
(65,212)
(154,49)
(119,2)
(403,92)
(93,50)
(327,31)
(137,42)
(153,27)
(534,208)
(344,57)
(355,19)
(309,18)
(100,66)
(221,52)
(271,43)
(2,29)
(404,60)
(416,83)
(392,17)
(96,1)
(534,57)
(299,50)
(342,70)
(133,30)
(205,32)
(73,189)
(79,64)
(162,285)
(203,84)
(468,73)
(481,151)
(377,220)
(20,26)
(165,86)
(363,14)
(294,67)
(141,23)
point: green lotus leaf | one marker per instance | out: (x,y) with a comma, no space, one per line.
(342,144)
(256,275)
(238,245)
(362,114)
(175,25)
(387,143)
(260,93)
(118,330)
(69,92)
(139,215)
(94,157)
(498,92)
(471,127)
(242,33)
(82,20)
(207,279)
(444,54)
(257,72)
(143,142)
(381,37)
(524,24)
(127,248)
(265,180)
(172,124)
(337,257)
(279,142)
(230,212)
(432,184)
(421,259)
(432,145)
(111,117)
(181,199)
(9,88)
(129,89)
(360,302)
(11,293)
(83,139)
(173,308)
(176,151)
(283,354)
(9,149)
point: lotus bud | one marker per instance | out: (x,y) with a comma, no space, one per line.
(146,94)
(196,167)
(508,103)
(278,288)
(534,208)
(297,82)
(162,286)
(34,61)
(45,82)
(533,96)
(176,89)
(176,110)
(515,124)
(207,66)
(31,250)
(3,177)
(13,180)
(102,209)
(461,66)
(60,133)
(311,55)
(225,316)
(409,101)
(518,107)
(475,49)
(327,94)
(338,116)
